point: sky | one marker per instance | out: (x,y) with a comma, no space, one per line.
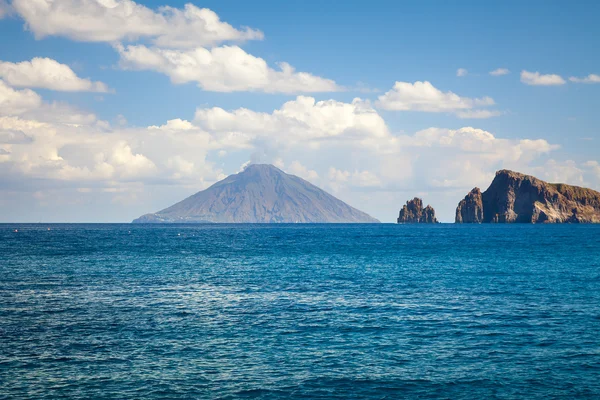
(110,109)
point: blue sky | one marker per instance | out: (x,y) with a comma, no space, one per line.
(400,148)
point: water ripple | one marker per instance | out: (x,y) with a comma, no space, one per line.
(296,312)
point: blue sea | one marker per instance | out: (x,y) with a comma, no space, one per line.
(299,311)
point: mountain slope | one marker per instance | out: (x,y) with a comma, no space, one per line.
(261,193)
(516,197)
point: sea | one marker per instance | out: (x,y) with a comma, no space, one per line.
(358,311)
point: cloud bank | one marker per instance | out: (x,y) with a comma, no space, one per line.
(424,97)
(126,20)
(47,73)
(222,69)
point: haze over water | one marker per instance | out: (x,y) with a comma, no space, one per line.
(299,311)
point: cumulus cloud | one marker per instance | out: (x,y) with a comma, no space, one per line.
(351,148)
(437,159)
(92,156)
(118,20)
(461,72)
(537,79)
(14,101)
(423,96)
(560,172)
(48,74)
(591,78)
(55,145)
(301,119)
(346,148)
(28,104)
(500,72)
(481,142)
(302,171)
(137,165)
(14,137)
(185,47)
(431,158)
(222,69)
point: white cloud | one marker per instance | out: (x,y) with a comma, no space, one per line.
(222,69)
(591,78)
(135,165)
(302,119)
(29,105)
(177,124)
(302,171)
(117,20)
(537,79)
(350,148)
(184,47)
(89,156)
(449,161)
(48,74)
(64,114)
(484,143)
(560,172)
(14,137)
(500,72)
(346,148)
(461,72)
(423,96)
(14,102)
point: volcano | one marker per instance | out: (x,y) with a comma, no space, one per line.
(261,193)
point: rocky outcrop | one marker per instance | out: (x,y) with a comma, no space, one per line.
(470,209)
(414,213)
(514,197)
(261,193)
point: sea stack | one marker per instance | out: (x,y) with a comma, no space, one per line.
(414,213)
(514,197)
(261,193)
(470,209)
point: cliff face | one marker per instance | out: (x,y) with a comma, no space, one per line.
(260,194)
(470,209)
(515,197)
(413,212)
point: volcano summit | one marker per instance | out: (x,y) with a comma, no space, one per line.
(261,193)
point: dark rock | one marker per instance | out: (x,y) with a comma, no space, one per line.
(414,213)
(259,194)
(515,197)
(470,209)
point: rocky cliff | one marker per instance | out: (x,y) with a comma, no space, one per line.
(470,209)
(260,194)
(413,212)
(515,197)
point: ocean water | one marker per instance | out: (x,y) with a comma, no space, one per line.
(299,311)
